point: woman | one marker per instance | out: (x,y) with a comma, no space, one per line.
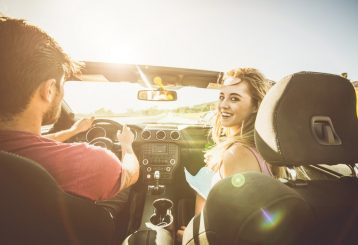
(233,131)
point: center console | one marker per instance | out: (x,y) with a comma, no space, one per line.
(158,213)
(158,222)
(158,161)
(162,157)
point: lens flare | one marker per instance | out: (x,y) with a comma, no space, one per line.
(270,220)
(238,180)
(158,81)
(143,77)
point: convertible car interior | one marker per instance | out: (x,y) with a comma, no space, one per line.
(300,125)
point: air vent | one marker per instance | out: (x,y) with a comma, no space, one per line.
(174,135)
(160,135)
(145,135)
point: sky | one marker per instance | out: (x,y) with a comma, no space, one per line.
(278,37)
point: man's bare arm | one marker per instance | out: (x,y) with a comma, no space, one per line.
(78,127)
(130,164)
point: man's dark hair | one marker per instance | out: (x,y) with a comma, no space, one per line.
(28,57)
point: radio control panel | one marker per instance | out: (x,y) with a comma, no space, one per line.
(162,157)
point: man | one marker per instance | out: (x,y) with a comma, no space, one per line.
(33,68)
(79,126)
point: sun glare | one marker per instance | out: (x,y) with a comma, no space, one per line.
(91,97)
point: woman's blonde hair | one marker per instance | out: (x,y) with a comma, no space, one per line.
(258,86)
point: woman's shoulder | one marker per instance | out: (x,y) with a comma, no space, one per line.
(239,157)
(237,151)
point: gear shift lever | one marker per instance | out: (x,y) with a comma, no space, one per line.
(156,189)
(156,177)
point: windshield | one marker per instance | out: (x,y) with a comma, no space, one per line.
(119,101)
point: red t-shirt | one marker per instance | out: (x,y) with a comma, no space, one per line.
(79,168)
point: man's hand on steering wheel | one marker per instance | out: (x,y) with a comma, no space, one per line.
(82,125)
(125,138)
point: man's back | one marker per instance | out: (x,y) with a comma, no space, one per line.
(80,169)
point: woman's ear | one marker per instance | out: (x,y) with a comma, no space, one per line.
(47,90)
(255,108)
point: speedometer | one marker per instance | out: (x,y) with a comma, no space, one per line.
(95,132)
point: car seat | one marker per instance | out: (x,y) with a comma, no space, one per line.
(306,119)
(34,210)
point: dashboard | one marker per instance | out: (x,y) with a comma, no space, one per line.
(159,147)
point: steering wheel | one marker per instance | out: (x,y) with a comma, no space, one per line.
(104,141)
(97,122)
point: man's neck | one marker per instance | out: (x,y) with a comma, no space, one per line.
(25,122)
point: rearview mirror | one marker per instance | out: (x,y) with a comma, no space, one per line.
(157,95)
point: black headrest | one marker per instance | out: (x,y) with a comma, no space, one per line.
(251,208)
(308,118)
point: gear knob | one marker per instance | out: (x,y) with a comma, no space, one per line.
(156,188)
(156,175)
